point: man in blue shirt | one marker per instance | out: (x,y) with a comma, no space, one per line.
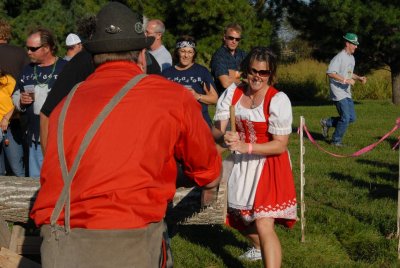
(33,85)
(225,63)
(341,78)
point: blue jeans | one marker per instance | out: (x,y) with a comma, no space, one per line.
(35,160)
(347,115)
(13,153)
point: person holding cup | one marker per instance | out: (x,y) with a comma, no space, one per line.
(35,82)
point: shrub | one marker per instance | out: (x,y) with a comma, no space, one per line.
(306,81)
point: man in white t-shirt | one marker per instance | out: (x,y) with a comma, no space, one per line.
(156,28)
(341,78)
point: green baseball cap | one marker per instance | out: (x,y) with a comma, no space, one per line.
(352,38)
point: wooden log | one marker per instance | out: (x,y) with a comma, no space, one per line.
(5,234)
(17,196)
(24,244)
(10,259)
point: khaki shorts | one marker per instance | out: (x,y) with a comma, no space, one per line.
(83,248)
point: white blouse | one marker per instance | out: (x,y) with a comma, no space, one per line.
(280,110)
(247,169)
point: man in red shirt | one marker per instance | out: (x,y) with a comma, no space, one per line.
(110,164)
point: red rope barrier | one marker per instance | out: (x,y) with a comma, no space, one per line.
(363,150)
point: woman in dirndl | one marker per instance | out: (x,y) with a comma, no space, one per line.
(261,189)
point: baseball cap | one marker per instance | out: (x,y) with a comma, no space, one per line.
(72,39)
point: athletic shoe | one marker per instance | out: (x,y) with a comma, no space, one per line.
(338,144)
(252,254)
(325,128)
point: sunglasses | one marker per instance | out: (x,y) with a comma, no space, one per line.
(237,39)
(261,73)
(33,49)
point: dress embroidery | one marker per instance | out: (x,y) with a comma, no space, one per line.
(260,186)
(252,132)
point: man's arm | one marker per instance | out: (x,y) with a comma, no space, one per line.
(362,79)
(341,79)
(196,148)
(232,77)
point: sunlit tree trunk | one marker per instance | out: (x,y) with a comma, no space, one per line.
(395,68)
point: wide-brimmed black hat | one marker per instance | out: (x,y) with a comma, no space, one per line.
(118,29)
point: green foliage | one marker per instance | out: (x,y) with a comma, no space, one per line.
(324,22)
(45,16)
(203,19)
(306,81)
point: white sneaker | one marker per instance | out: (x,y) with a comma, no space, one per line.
(252,254)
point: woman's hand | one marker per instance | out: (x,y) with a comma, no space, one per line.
(234,143)
(4,124)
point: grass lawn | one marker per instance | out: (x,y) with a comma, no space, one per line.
(351,203)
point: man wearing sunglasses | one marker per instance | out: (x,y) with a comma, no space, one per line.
(33,85)
(225,62)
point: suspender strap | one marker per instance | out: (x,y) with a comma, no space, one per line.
(68,176)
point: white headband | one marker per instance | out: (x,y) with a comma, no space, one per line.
(183,44)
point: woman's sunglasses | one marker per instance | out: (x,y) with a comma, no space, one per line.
(261,73)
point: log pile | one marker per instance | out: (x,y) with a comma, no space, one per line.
(17,196)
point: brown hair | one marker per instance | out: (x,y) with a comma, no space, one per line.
(260,54)
(132,56)
(5,30)
(46,39)
(234,26)
(188,38)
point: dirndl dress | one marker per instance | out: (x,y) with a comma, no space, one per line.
(259,186)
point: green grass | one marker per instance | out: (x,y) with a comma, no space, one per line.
(351,203)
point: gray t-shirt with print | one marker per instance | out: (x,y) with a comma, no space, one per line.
(342,64)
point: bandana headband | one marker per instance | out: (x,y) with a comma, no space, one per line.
(183,44)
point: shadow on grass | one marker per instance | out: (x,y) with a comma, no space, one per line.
(376,190)
(216,239)
(391,141)
(391,167)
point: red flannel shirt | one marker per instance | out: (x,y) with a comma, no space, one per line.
(128,172)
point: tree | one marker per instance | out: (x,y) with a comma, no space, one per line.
(203,19)
(324,22)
